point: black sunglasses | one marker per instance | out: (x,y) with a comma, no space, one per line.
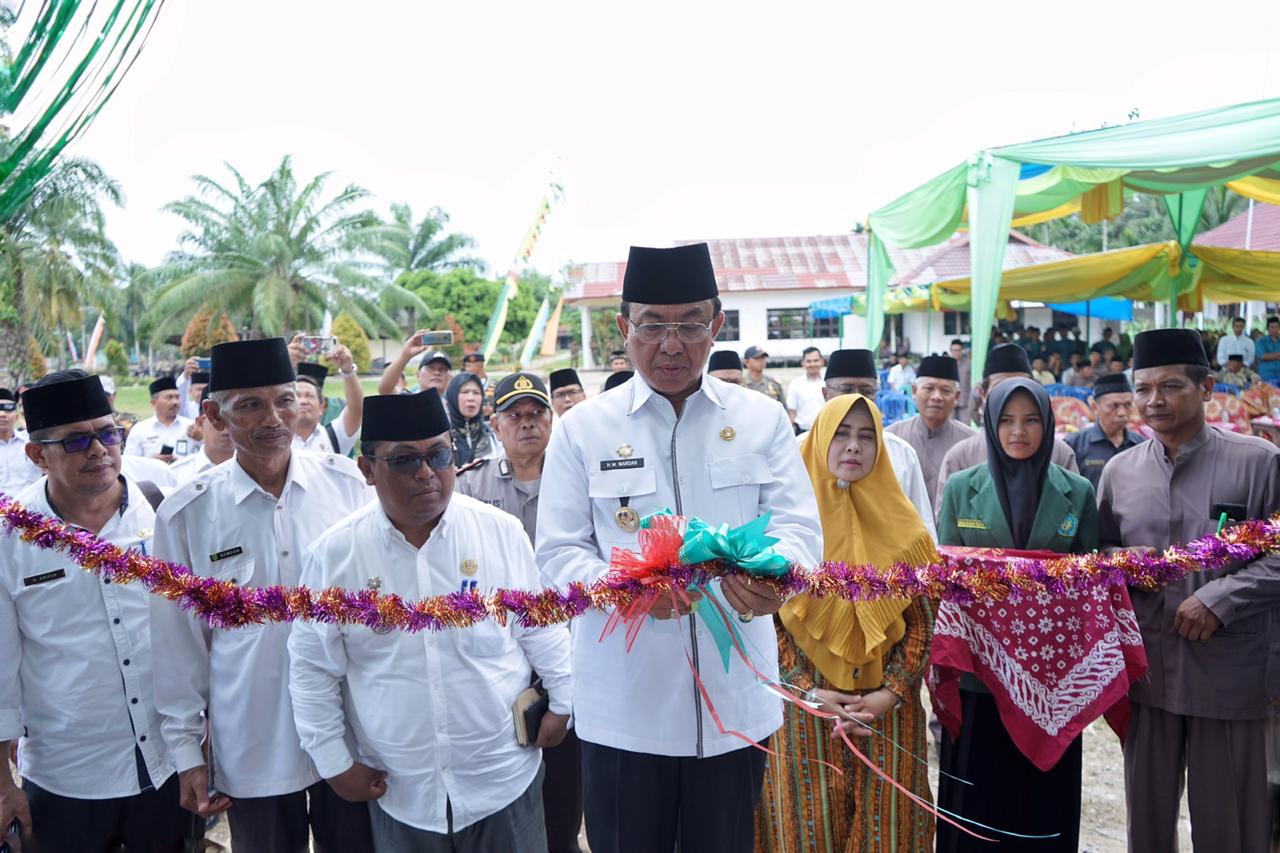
(109,437)
(409,463)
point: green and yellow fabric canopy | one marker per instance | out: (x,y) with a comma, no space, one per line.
(1180,158)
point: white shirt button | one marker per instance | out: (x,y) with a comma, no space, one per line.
(284,553)
(746,478)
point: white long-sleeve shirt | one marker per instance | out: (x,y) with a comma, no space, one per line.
(17,471)
(223,524)
(1229,345)
(728,458)
(320,442)
(148,436)
(76,667)
(434,709)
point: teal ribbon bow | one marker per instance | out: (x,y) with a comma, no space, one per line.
(747,547)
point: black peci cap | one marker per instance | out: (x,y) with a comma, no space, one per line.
(846,363)
(404,417)
(939,367)
(669,276)
(64,401)
(564,378)
(616,379)
(1160,347)
(250,364)
(1007,358)
(1111,383)
(317,373)
(725,359)
(164,383)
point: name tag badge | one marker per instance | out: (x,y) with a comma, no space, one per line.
(971,524)
(621,464)
(228,553)
(36,580)
(1095,463)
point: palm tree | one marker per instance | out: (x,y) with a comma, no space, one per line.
(276,256)
(406,247)
(55,259)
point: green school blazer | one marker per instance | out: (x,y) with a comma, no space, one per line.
(1066,519)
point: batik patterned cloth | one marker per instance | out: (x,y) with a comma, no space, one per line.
(1054,663)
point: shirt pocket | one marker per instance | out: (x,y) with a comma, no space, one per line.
(487,639)
(607,490)
(238,570)
(736,480)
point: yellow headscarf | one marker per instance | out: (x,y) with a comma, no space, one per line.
(870,521)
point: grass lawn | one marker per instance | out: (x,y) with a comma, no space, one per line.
(135,399)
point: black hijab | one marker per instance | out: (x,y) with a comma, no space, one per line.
(1018,482)
(471,436)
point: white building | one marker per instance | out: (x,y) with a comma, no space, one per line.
(768,284)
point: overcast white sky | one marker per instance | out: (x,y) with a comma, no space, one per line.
(668,120)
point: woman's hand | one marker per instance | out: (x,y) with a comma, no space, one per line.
(868,708)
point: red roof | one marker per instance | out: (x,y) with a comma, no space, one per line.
(813,263)
(1262,236)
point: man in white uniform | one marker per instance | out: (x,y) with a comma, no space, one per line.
(656,767)
(804,394)
(338,436)
(214,450)
(248,522)
(853,371)
(165,429)
(75,650)
(435,753)
(16,470)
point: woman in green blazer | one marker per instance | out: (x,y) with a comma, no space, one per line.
(1020,500)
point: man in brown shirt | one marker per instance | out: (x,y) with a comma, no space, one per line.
(1200,714)
(933,432)
(1003,362)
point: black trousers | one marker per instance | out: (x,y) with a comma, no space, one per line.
(562,794)
(283,824)
(149,822)
(640,803)
(1008,791)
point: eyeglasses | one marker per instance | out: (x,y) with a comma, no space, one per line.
(568,394)
(409,463)
(866,389)
(109,437)
(656,333)
(511,416)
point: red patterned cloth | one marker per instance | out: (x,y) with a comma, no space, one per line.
(1054,663)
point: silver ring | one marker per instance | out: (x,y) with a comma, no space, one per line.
(746,617)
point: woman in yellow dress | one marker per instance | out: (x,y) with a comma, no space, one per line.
(865,658)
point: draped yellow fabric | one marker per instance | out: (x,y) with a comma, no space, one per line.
(1235,275)
(870,521)
(1266,190)
(1140,272)
(1103,202)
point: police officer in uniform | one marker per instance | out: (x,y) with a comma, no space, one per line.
(522,423)
(657,768)
(1109,433)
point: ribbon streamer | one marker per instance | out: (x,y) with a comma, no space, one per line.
(963,577)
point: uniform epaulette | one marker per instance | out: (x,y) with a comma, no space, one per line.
(473,464)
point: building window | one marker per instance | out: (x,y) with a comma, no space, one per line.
(955,322)
(788,323)
(729,331)
(824,327)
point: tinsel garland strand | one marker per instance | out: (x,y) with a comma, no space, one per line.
(962,579)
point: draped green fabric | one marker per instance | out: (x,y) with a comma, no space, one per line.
(1183,156)
(71,61)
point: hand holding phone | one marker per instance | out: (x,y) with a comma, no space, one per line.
(436,339)
(317,344)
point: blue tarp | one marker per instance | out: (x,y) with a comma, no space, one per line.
(826,309)
(1104,308)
